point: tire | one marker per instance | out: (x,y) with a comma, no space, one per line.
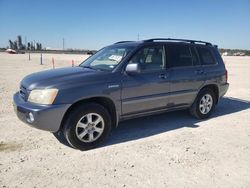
(61,138)
(201,109)
(87,126)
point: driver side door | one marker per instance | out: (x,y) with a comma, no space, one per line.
(149,89)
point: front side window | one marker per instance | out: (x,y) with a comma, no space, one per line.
(107,58)
(180,56)
(206,56)
(150,58)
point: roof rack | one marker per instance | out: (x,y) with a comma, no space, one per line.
(123,41)
(181,40)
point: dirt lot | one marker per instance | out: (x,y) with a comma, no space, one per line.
(169,150)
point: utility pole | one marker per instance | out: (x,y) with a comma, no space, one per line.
(63,43)
(138,37)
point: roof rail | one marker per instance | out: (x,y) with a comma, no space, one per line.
(181,40)
(123,42)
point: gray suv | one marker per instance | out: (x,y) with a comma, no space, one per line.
(122,81)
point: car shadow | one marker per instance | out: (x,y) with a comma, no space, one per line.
(156,124)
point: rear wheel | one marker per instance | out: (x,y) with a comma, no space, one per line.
(203,104)
(87,126)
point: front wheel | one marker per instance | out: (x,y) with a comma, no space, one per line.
(203,104)
(87,126)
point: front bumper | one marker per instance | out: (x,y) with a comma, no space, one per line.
(46,117)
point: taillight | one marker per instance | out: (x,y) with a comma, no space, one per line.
(226,73)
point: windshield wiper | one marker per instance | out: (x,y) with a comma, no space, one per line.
(89,67)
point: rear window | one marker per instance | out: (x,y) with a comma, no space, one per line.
(206,56)
(179,56)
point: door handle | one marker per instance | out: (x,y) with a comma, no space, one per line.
(163,76)
(199,71)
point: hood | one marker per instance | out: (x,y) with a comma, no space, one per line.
(57,77)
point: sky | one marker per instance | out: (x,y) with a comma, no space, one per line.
(93,24)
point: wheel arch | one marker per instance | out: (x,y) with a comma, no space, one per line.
(214,88)
(104,101)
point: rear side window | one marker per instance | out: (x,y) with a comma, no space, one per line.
(206,57)
(179,56)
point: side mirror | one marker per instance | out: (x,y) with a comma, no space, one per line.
(133,68)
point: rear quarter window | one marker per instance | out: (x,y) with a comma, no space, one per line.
(206,56)
(179,56)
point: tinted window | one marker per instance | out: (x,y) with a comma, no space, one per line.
(179,56)
(206,56)
(150,58)
(195,56)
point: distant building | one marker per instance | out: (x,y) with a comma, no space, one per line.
(11,44)
(19,42)
(38,46)
(18,45)
(28,46)
(15,45)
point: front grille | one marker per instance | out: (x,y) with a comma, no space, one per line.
(23,93)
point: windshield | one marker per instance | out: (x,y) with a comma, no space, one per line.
(107,58)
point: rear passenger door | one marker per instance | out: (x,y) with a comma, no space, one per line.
(186,74)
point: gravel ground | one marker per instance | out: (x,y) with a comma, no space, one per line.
(168,150)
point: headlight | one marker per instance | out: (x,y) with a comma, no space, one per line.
(43,96)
